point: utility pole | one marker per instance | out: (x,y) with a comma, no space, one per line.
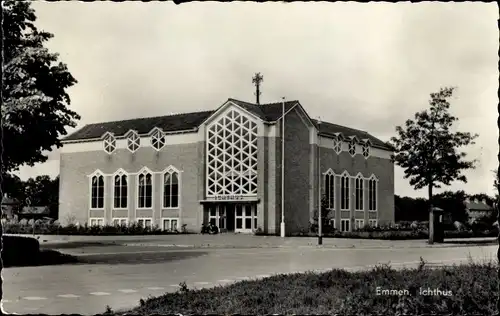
(320,218)
(257,79)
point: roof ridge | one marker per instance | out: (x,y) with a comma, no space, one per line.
(151,117)
(350,128)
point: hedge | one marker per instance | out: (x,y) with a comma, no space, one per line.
(56,229)
(399,235)
(18,250)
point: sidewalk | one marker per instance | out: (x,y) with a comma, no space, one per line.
(250,241)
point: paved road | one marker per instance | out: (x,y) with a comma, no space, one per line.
(119,276)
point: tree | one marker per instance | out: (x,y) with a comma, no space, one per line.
(34,107)
(453,204)
(496,183)
(43,191)
(427,149)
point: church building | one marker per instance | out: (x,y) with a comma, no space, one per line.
(225,166)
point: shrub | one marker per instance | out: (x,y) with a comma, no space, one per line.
(19,250)
(54,228)
(338,292)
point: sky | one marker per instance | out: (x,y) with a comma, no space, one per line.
(369,66)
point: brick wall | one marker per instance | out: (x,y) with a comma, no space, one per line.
(74,188)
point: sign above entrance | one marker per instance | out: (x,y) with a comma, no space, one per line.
(228,197)
(231,198)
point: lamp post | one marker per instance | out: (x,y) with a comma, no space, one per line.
(282,226)
(320,221)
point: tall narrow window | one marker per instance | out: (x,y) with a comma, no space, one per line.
(330,190)
(120,191)
(145,190)
(337,145)
(109,143)
(171,189)
(344,192)
(359,193)
(97,192)
(372,194)
(133,142)
(158,140)
(352,148)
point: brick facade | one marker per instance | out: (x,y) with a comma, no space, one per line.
(81,159)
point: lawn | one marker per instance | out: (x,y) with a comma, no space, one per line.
(466,289)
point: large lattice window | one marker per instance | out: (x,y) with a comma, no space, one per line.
(232,155)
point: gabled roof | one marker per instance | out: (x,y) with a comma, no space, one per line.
(270,112)
(331,129)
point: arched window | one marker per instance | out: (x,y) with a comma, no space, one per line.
(120,191)
(330,189)
(344,192)
(133,142)
(97,192)
(158,139)
(145,190)
(352,148)
(337,145)
(359,193)
(372,194)
(109,143)
(171,189)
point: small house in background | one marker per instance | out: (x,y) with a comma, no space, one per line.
(10,206)
(34,212)
(477,209)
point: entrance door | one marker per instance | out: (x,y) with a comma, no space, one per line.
(246,218)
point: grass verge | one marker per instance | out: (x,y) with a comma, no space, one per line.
(466,289)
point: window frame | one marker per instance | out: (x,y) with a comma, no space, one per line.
(144,172)
(171,170)
(329,187)
(359,193)
(170,219)
(348,226)
(97,174)
(352,147)
(359,223)
(373,220)
(109,140)
(133,139)
(120,219)
(337,144)
(144,219)
(372,181)
(345,200)
(121,173)
(158,137)
(97,219)
(366,150)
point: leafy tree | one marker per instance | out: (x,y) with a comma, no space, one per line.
(453,203)
(427,149)
(13,186)
(410,209)
(43,191)
(34,101)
